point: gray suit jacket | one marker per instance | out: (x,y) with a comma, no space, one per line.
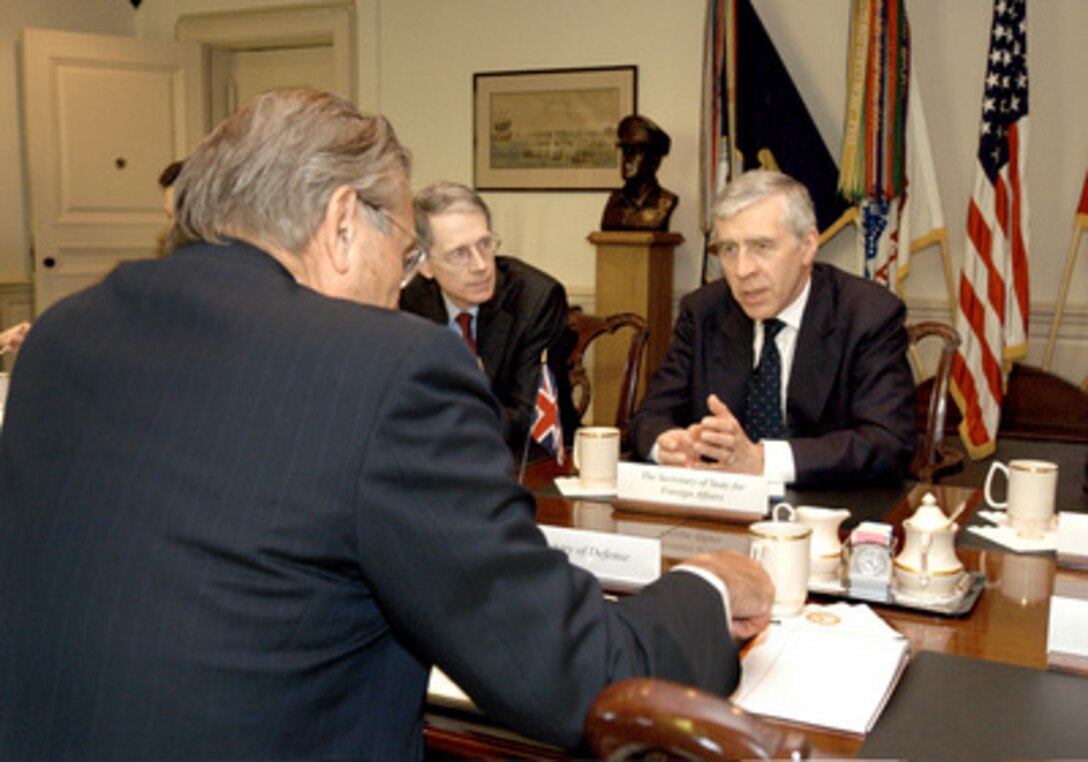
(241,520)
(850,395)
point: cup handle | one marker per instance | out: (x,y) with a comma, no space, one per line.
(791,513)
(995,467)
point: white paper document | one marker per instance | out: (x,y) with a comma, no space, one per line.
(1073,539)
(1067,628)
(831,666)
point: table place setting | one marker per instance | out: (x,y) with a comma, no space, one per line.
(801,550)
(1024,522)
(596,455)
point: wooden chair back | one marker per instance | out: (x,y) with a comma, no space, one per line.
(588,328)
(645,718)
(933,459)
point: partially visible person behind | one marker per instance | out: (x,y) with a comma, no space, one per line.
(834,400)
(511,312)
(12,338)
(247,503)
(167,178)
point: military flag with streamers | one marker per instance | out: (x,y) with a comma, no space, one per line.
(993,296)
(751,105)
(873,173)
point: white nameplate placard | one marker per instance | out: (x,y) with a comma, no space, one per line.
(693,488)
(622,564)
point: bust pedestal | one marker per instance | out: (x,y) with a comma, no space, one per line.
(634,274)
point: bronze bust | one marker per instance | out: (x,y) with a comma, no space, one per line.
(641,204)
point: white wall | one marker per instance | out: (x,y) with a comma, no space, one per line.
(417,58)
(949,45)
(104,16)
(427,91)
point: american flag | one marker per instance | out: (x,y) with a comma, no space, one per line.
(993,297)
(547,430)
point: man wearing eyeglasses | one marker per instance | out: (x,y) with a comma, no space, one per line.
(507,311)
(245,503)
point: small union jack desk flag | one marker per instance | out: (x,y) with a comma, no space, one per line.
(547,430)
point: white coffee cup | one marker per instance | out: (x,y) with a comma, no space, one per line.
(597,456)
(782,547)
(1033,487)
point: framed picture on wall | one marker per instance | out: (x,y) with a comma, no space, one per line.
(551,129)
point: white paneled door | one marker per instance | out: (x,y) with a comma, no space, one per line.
(104,116)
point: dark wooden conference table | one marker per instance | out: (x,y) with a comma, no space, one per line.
(1008,623)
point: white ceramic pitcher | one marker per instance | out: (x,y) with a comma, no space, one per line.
(826,549)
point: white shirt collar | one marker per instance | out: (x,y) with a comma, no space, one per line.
(793,313)
(452,311)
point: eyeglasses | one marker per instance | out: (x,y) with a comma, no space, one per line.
(460,257)
(415,255)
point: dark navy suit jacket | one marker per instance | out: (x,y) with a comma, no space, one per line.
(850,395)
(239,519)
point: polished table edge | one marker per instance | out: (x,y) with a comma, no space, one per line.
(477,739)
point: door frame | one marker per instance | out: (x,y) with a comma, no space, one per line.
(223,33)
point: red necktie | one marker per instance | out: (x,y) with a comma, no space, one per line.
(464,320)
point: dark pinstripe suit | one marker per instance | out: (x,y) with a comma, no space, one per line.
(240,519)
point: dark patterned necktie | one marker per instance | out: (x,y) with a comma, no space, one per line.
(763,419)
(464,320)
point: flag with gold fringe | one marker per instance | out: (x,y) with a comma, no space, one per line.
(993,296)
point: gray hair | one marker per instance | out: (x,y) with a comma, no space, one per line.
(758,184)
(442,197)
(267,172)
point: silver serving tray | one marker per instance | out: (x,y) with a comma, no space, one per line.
(962,600)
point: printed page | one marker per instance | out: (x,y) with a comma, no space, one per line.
(824,669)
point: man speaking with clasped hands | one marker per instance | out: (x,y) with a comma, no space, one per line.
(787,368)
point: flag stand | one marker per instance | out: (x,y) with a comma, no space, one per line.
(1067,275)
(940,237)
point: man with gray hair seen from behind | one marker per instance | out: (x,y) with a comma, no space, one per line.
(507,311)
(247,503)
(828,398)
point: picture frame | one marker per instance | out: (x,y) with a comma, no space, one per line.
(550,129)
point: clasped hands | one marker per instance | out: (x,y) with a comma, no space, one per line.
(716,442)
